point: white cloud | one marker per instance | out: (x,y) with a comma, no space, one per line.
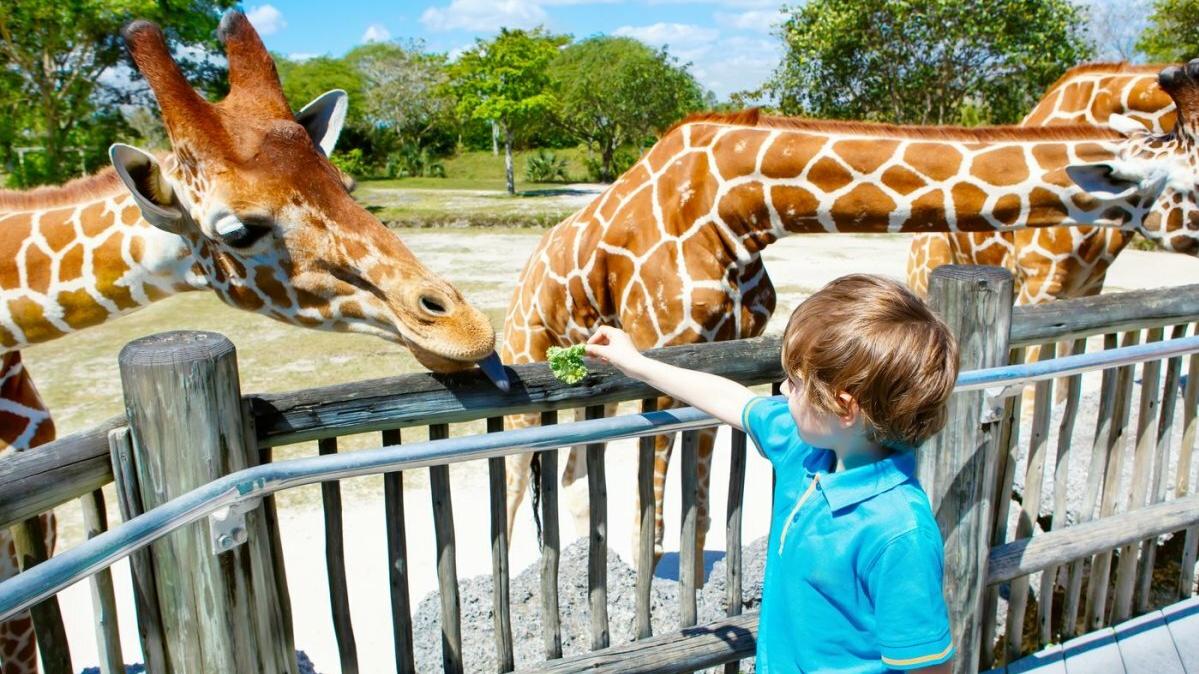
(686,41)
(486,15)
(376,33)
(758,20)
(266,19)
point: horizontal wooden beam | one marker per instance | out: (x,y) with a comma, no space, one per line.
(1118,312)
(687,650)
(1052,548)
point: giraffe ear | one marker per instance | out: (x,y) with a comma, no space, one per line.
(1104,180)
(324,117)
(154,196)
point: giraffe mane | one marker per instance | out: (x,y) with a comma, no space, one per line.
(1112,67)
(95,186)
(753,117)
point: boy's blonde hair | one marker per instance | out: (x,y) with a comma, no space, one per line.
(873,339)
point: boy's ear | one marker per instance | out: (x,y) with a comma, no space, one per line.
(849,409)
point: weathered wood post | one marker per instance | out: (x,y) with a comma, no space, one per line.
(220,612)
(957,465)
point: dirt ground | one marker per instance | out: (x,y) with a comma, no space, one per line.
(78,377)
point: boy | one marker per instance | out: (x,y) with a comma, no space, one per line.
(854,563)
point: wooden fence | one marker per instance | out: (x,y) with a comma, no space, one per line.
(1101,570)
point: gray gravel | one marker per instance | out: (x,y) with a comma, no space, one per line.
(478,636)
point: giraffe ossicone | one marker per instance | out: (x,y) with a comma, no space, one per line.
(671,251)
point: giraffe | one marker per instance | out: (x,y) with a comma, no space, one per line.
(246,205)
(670,252)
(1057,263)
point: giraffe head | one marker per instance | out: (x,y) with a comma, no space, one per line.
(1155,176)
(271,221)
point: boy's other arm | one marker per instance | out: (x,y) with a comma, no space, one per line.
(722,398)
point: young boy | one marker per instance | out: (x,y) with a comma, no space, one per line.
(854,564)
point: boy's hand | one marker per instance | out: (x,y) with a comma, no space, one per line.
(613,345)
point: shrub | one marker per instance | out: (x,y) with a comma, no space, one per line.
(546,167)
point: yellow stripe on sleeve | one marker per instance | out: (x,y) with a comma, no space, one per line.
(918,660)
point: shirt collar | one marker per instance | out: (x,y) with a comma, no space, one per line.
(850,487)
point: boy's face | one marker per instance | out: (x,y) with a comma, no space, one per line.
(816,427)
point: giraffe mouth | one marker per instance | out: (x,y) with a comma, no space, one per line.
(494,369)
(490,365)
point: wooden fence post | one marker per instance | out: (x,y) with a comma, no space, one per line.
(957,465)
(220,613)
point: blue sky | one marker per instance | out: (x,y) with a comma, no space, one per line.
(730,43)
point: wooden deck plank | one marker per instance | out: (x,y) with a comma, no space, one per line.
(1146,647)
(1182,621)
(1047,661)
(1093,653)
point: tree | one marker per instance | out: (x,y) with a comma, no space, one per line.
(921,61)
(305,80)
(58,50)
(613,91)
(1116,28)
(1173,32)
(505,80)
(406,88)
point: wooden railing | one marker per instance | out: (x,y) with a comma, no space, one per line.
(75,466)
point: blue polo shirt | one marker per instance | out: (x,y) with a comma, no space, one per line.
(853,570)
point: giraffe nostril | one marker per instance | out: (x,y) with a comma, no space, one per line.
(433,306)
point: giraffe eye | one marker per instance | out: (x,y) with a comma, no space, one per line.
(243,232)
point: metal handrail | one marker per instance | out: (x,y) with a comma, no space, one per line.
(49,577)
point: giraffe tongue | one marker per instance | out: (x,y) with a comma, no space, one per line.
(494,369)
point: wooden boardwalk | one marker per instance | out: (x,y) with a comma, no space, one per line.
(1159,642)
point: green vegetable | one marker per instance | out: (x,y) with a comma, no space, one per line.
(567,364)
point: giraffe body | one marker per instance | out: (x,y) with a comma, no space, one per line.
(246,205)
(1057,263)
(671,251)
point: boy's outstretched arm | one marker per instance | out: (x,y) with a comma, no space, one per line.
(720,397)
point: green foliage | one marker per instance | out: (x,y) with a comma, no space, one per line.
(1173,32)
(52,53)
(599,170)
(567,364)
(305,80)
(922,61)
(406,92)
(352,161)
(412,161)
(615,91)
(546,167)
(505,80)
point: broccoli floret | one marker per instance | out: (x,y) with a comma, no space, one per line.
(567,364)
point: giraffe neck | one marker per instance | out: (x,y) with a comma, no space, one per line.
(70,264)
(764,181)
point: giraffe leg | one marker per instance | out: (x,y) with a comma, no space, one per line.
(18,648)
(517,470)
(663,446)
(26,425)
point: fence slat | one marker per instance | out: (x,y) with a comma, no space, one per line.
(447,560)
(1142,468)
(645,529)
(145,594)
(108,636)
(690,530)
(1001,497)
(335,563)
(1114,452)
(1030,509)
(1061,480)
(597,551)
(397,562)
(551,625)
(732,546)
(1161,462)
(500,602)
(1103,419)
(29,538)
(1190,546)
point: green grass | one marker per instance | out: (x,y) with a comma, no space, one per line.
(481,170)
